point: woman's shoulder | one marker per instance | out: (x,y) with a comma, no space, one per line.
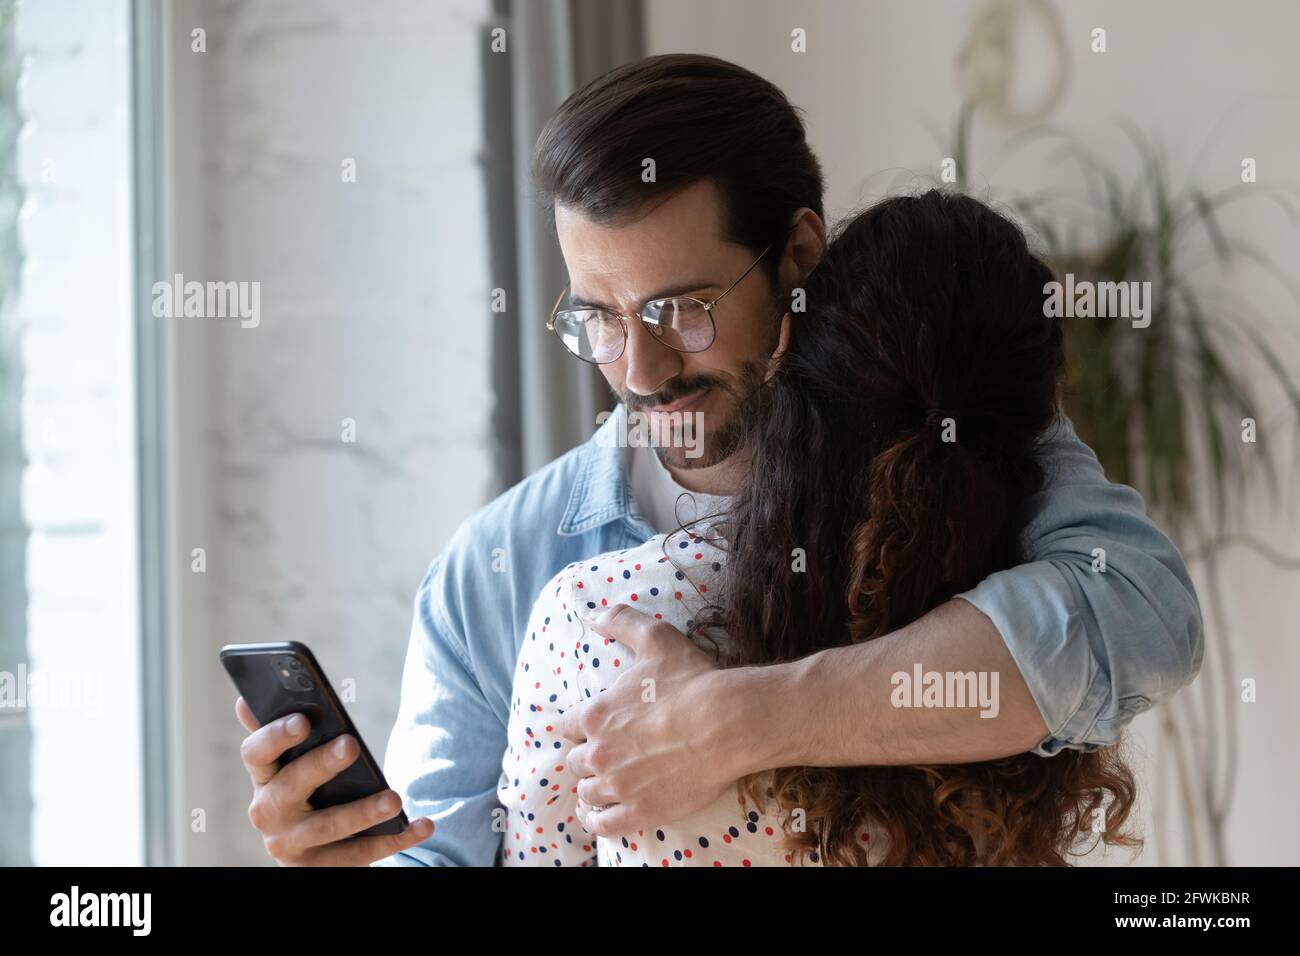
(689,551)
(665,576)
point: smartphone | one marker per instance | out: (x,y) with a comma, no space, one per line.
(283,678)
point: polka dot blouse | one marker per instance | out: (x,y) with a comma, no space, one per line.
(563,661)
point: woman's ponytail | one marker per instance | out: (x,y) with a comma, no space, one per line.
(939,508)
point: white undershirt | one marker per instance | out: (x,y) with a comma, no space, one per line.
(664,503)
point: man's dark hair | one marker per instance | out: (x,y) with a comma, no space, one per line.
(698,117)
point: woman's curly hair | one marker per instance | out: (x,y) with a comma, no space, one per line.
(896,446)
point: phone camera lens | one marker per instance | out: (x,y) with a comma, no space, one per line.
(304,682)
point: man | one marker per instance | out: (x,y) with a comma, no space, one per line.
(732,218)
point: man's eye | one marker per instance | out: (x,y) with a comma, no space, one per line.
(669,311)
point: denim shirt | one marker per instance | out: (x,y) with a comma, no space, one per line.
(1095,647)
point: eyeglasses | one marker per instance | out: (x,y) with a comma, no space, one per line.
(681,322)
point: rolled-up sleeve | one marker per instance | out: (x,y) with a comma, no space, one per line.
(1102,620)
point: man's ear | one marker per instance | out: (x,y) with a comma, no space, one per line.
(782,343)
(804,247)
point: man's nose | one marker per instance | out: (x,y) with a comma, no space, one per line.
(650,363)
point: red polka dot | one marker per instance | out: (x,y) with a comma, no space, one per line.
(633,597)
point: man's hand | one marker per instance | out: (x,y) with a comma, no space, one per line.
(294,833)
(662,741)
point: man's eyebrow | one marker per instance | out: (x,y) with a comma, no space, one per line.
(679,288)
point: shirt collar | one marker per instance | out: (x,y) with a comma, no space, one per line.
(600,491)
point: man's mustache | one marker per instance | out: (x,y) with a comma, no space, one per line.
(677,389)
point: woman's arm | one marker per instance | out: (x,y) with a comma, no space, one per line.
(537,789)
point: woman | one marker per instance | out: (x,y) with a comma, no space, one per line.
(894,444)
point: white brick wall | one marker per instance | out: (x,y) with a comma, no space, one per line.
(374,302)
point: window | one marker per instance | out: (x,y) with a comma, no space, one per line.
(70,652)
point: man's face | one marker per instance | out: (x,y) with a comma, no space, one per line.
(677,249)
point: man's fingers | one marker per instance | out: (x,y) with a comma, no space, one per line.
(579,761)
(300,778)
(632,628)
(609,822)
(568,724)
(582,811)
(596,792)
(261,749)
(245,715)
(333,824)
(362,851)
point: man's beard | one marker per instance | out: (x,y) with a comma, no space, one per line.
(722,434)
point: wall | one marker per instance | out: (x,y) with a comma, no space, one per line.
(373,298)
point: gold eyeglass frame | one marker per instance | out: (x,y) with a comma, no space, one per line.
(624,319)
